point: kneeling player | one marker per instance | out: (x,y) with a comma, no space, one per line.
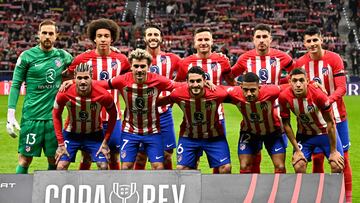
(82,130)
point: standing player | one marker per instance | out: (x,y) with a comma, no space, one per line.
(165,64)
(82,130)
(106,64)
(315,123)
(215,66)
(201,129)
(327,68)
(267,63)
(140,91)
(40,68)
(260,123)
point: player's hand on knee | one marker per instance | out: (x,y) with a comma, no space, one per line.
(60,151)
(336,158)
(104,148)
(11,123)
(297,157)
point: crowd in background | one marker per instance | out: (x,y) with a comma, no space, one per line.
(231,22)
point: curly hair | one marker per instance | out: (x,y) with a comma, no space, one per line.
(103,23)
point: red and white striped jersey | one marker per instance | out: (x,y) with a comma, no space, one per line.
(83,112)
(200,119)
(141,115)
(167,65)
(269,68)
(104,68)
(215,67)
(259,117)
(328,71)
(307,110)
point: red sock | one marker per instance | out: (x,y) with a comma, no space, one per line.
(348,178)
(168,165)
(318,163)
(216,170)
(114,166)
(280,170)
(245,170)
(256,164)
(138,166)
(85,166)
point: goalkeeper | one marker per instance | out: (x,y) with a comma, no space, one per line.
(41,69)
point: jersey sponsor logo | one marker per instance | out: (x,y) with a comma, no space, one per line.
(50,76)
(58,62)
(304,119)
(263,74)
(317,79)
(214,66)
(154,69)
(114,65)
(198,116)
(83,115)
(139,102)
(207,76)
(104,75)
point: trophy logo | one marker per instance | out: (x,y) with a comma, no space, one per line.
(123,193)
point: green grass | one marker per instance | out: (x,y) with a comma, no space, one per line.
(8,150)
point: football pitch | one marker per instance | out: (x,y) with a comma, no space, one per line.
(8,145)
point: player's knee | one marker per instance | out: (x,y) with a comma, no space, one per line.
(157,166)
(62,165)
(24,161)
(300,166)
(280,169)
(225,168)
(181,167)
(102,165)
(245,165)
(127,166)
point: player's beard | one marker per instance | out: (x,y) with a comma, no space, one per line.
(149,42)
(83,90)
(47,44)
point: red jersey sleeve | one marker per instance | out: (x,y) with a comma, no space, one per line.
(283,102)
(125,65)
(108,103)
(59,105)
(182,71)
(239,67)
(339,78)
(321,99)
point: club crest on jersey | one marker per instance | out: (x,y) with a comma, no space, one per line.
(83,115)
(207,76)
(317,79)
(242,147)
(273,62)
(27,148)
(310,108)
(304,118)
(123,154)
(254,117)
(154,69)
(214,66)
(114,65)
(325,70)
(93,107)
(104,75)
(264,106)
(198,116)
(139,102)
(150,91)
(58,62)
(208,106)
(263,75)
(163,59)
(179,158)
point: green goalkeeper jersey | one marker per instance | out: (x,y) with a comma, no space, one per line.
(41,72)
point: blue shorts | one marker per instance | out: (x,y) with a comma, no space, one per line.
(152,143)
(89,143)
(200,153)
(115,138)
(308,143)
(275,143)
(342,130)
(216,149)
(166,130)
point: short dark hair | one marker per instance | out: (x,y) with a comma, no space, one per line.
(103,23)
(312,30)
(48,22)
(196,70)
(202,29)
(297,71)
(251,77)
(262,27)
(151,26)
(84,67)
